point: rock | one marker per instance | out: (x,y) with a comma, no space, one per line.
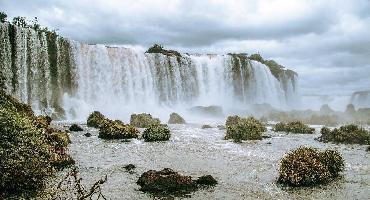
(156,132)
(206,180)
(87,134)
(307,166)
(143,120)
(208,110)
(117,130)
(350,110)
(325,109)
(368,149)
(75,128)
(268,143)
(221,127)
(205,126)
(165,180)
(176,119)
(348,134)
(95,119)
(129,167)
(293,127)
(156,48)
(239,129)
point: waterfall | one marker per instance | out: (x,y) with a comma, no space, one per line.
(67,78)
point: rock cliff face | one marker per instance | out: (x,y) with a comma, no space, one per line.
(361,99)
(54,75)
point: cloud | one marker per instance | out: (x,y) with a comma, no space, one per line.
(326,42)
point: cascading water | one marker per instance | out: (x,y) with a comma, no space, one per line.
(56,75)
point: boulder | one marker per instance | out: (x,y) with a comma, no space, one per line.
(143,120)
(307,166)
(87,134)
(206,180)
(207,110)
(156,132)
(129,167)
(117,130)
(176,119)
(75,128)
(95,119)
(205,126)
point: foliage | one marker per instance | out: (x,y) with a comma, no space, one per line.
(307,166)
(348,134)
(176,119)
(143,120)
(157,48)
(239,129)
(156,132)
(293,127)
(3,17)
(30,150)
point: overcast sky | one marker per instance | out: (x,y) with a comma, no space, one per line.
(327,42)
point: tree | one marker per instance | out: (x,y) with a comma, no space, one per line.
(3,17)
(20,21)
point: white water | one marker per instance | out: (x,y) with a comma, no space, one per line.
(119,81)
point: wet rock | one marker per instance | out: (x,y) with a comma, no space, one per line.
(95,119)
(350,110)
(156,132)
(165,180)
(75,128)
(348,134)
(238,128)
(293,127)
(205,126)
(129,167)
(307,166)
(368,149)
(156,48)
(176,119)
(117,130)
(206,180)
(221,127)
(143,120)
(268,143)
(207,110)
(87,134)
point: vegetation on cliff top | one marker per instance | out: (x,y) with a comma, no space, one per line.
(157,48)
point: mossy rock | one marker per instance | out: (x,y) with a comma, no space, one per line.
(239,128)
(95,119)
(347,134)
(75,128)
(117,130)
(30,150)
(176,119)
(143,120)
(156,132)
(307,166)
(156,48)
(294,127)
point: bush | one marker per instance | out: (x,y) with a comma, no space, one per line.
(143,120)
(117,130)
(238,128)
(293,127)
(176,119)
(307,166)
(29,149)
(156,132)
(95,119)
(348,134)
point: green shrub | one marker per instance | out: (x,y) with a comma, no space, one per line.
(238,128)
(156,48)
(156,132)
(307,166)
(29,149)
(143,120)
(95,119)
(293,127)
(117,130)
(176,119)
(348,134)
